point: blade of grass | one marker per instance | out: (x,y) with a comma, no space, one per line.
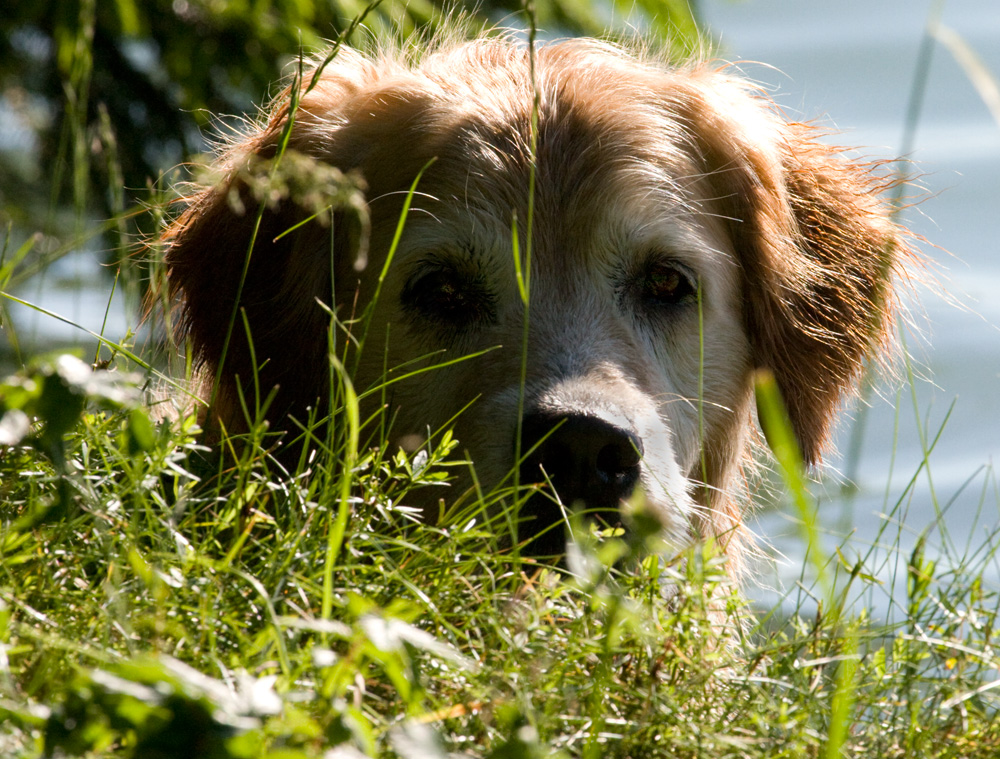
(972,64)
(523,270)
(781,440)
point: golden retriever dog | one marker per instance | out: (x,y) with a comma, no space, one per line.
(682,236)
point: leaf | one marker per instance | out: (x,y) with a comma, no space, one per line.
(414,740)
(140,431)
(390,635)
(14,427)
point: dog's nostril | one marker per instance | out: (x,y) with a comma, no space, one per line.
(617,461)
(590,463)
(586,458)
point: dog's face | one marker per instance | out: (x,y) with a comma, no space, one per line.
(634,327)
(681,236)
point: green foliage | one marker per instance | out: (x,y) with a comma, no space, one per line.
(117,92)
(53,394)
(156,72)
(43,404)
(180,607)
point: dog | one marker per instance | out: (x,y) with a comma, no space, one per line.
(674,236)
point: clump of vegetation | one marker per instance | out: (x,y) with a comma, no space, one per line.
(158,600)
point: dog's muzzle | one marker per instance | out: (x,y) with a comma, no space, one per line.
(591,464)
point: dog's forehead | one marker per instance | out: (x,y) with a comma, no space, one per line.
(612,166)
(581,128)
(598,193)
(601,165)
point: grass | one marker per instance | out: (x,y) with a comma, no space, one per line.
(158,600)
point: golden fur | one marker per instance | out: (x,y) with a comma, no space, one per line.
(684,235)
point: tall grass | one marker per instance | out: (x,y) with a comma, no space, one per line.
(158,599)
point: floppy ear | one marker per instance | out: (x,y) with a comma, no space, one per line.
(284,228)
(816,246)
(247,290)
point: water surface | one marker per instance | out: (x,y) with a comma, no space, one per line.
(851,65)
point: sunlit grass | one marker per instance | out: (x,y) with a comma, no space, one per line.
(158,597)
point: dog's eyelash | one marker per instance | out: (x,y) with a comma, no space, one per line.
(451,297)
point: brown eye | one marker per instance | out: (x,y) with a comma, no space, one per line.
(667,285)
(445,295)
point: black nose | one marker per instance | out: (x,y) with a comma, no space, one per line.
(591,464)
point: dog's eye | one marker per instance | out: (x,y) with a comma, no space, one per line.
(667,285)
(448,296)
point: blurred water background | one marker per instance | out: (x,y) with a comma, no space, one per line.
(851,65)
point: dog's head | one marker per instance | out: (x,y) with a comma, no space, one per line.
(681,236)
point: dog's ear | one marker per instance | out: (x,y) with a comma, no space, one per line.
(287,224)
(816,245)
(248,263)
